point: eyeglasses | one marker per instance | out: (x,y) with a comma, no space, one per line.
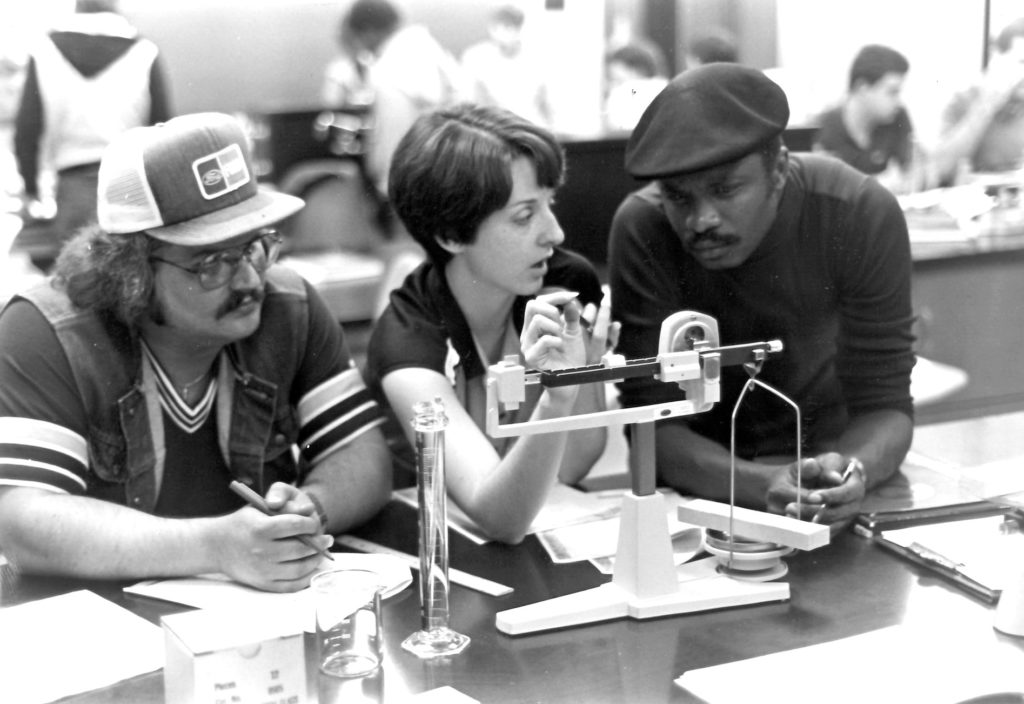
(217,269)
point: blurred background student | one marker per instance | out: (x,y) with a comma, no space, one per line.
(501,70)
(88,80)
(871,130)
(399,67)
(635,74)
(715,45)
(983,125)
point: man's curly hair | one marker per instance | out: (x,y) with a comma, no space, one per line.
(108,273)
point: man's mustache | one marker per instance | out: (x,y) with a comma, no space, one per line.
(238,299)
(711,236)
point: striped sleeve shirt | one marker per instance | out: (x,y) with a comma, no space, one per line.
(334,413)
(44,427)
(43,455)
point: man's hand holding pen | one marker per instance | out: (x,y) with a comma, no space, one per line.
(276,543)
(831,488)
(285,498)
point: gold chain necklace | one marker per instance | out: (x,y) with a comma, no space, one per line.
(186,387)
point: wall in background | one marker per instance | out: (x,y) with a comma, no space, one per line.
(240,56)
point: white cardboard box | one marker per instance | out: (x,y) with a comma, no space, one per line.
(224,657)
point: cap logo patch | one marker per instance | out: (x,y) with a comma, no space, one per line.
(221,172)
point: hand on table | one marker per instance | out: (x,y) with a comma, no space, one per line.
(821,484)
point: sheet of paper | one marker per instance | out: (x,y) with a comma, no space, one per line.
(896,664)
(291,609)
(922,482)
(73,643)
(983,548)
(564,506)
(686,544)
(597,539)
(999,480)
(440,695)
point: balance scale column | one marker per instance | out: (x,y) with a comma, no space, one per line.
(644,565)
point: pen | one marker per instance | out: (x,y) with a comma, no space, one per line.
(257,502)
(846,475)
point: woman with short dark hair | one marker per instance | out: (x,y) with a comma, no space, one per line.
(474,186)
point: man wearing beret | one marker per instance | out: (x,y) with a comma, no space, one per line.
(773,245)
(167,358)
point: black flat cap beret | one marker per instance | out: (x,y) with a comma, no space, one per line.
(706,116)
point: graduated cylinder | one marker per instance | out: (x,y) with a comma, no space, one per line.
(434,638)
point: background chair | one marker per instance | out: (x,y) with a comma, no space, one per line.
(338,242)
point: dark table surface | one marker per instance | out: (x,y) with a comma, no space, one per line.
(846,588)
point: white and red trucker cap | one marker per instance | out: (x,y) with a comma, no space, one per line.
(188,181)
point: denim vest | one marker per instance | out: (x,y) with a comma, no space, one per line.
(257,421)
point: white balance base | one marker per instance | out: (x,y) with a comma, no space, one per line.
(646,584)
(701,588)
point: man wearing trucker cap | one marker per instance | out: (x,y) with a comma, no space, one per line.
(773,245)
(165,359)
